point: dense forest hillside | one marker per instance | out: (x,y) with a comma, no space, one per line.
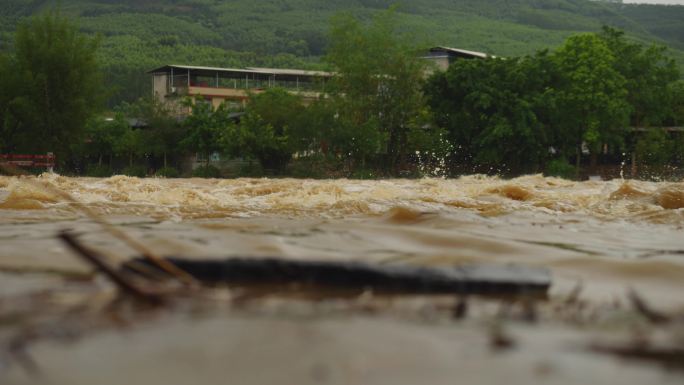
(139,35)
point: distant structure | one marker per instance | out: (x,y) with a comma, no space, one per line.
(442,57)
(233,86)
(230,85)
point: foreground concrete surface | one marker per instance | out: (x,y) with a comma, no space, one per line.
(254,349)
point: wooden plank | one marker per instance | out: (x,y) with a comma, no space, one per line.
(407,279)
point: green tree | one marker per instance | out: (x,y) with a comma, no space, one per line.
(677,92)
(271,129)
(342,137)
(496,111)
(377,89)
(162,132)
(591,96)
(57,87)
(648,72)
(655,147)
(678,149)
(7,85)
(203,129)
(129,144)
(102,137)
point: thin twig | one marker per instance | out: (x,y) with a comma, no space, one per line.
(93,258)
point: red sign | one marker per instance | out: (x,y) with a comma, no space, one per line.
(21,160)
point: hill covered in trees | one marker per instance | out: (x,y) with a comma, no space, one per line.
(139,35)
(597,97)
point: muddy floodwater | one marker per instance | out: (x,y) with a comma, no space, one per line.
(599,239)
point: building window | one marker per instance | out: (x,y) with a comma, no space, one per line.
(213,157)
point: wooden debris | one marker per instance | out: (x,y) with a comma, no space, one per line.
(529,311)
(573,297)
(670,357)
(499,339)
(461,308)
(117,278)
(19,354)
(496,280)
(644,309)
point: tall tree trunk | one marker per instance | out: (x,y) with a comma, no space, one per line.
(578,160)
(99,160)
(164,159)
(389,161)
(401,156)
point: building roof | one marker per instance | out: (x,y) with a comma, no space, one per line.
(137,123)
(247,70)
(167,68)
(460,52)
(668,129)
(283,71)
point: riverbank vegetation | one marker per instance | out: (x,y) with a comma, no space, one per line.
(593,96)
(600,98)
(51,85)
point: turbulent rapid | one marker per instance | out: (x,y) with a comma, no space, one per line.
(183,199)
(599,239)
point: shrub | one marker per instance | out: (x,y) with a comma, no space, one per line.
(206,172)
(138,171)
(560,168)
(364,173)
(655,147)
(99,171)
(307,168)
(167,172)
(251,170)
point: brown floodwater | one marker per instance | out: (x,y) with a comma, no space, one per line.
(603,236)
